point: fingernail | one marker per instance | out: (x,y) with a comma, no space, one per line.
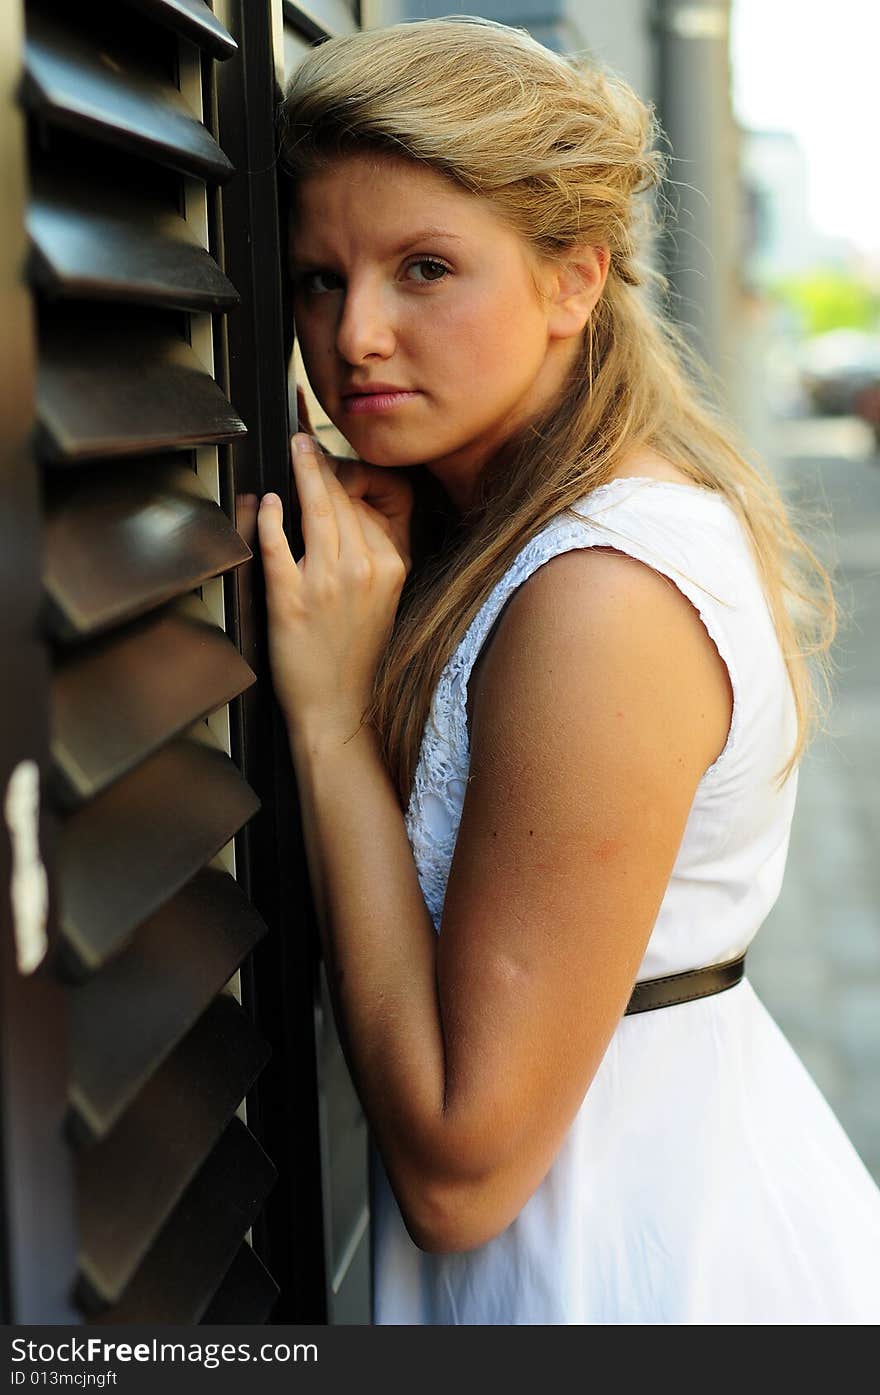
(303,443)
(270,499)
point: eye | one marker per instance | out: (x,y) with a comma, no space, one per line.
(306,280)
(434,266)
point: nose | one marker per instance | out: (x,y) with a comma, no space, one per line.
(365,325)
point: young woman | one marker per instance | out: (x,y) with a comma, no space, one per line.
(555,757)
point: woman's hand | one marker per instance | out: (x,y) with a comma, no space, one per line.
(388,491)
(330,614)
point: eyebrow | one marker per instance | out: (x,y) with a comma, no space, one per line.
(419,237)
(394,251)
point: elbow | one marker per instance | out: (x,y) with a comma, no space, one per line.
(436,1234)
(453,1218)
(461,1190)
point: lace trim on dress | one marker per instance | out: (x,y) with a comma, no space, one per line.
(440,782)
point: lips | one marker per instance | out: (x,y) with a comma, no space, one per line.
(372,389)
(378,400)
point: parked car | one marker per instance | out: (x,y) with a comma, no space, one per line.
(868,408)
(839,369)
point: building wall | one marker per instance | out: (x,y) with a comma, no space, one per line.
(675,55)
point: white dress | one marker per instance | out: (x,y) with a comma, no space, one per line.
(704,1178)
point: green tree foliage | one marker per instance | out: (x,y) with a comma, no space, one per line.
(823,300)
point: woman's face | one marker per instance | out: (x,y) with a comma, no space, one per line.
(404,282)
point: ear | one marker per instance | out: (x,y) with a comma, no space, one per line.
(577,283)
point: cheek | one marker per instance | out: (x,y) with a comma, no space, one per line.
(504,352)
(488,332)
(314,331)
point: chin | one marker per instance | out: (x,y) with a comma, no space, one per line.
(385,453)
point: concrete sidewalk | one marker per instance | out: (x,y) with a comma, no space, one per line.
(816,961)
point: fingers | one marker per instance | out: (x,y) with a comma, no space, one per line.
(331,525)
(279,568)
(352,544)
(336,528)
(363,529)
(379,541)
(389,494)
(320,528)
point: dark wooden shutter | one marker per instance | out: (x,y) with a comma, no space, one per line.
(152,923)
(36,1212)
(140,1106)
(343,1129)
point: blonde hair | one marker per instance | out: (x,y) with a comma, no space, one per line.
(561,148)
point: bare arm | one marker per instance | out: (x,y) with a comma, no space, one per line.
(380,950)
(602,701)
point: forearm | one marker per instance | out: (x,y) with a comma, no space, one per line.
(379,945)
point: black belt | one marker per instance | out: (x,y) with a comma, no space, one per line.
(685,987)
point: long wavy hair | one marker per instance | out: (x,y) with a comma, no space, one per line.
(567,154)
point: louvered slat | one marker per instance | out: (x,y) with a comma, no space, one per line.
(246,1295)
(127,1018)
(105,244)
(160,537)
(105,93)
(198,1244)
(128,1184)
(168,1181)
(194,20)
(123,386)
(130,849)
(305,25)
(126,695)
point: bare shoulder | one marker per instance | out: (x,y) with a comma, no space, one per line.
(590,619)
(600,704)
(650,464)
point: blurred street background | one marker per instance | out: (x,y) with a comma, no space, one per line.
(811,406)
(775,263)
(816,961)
